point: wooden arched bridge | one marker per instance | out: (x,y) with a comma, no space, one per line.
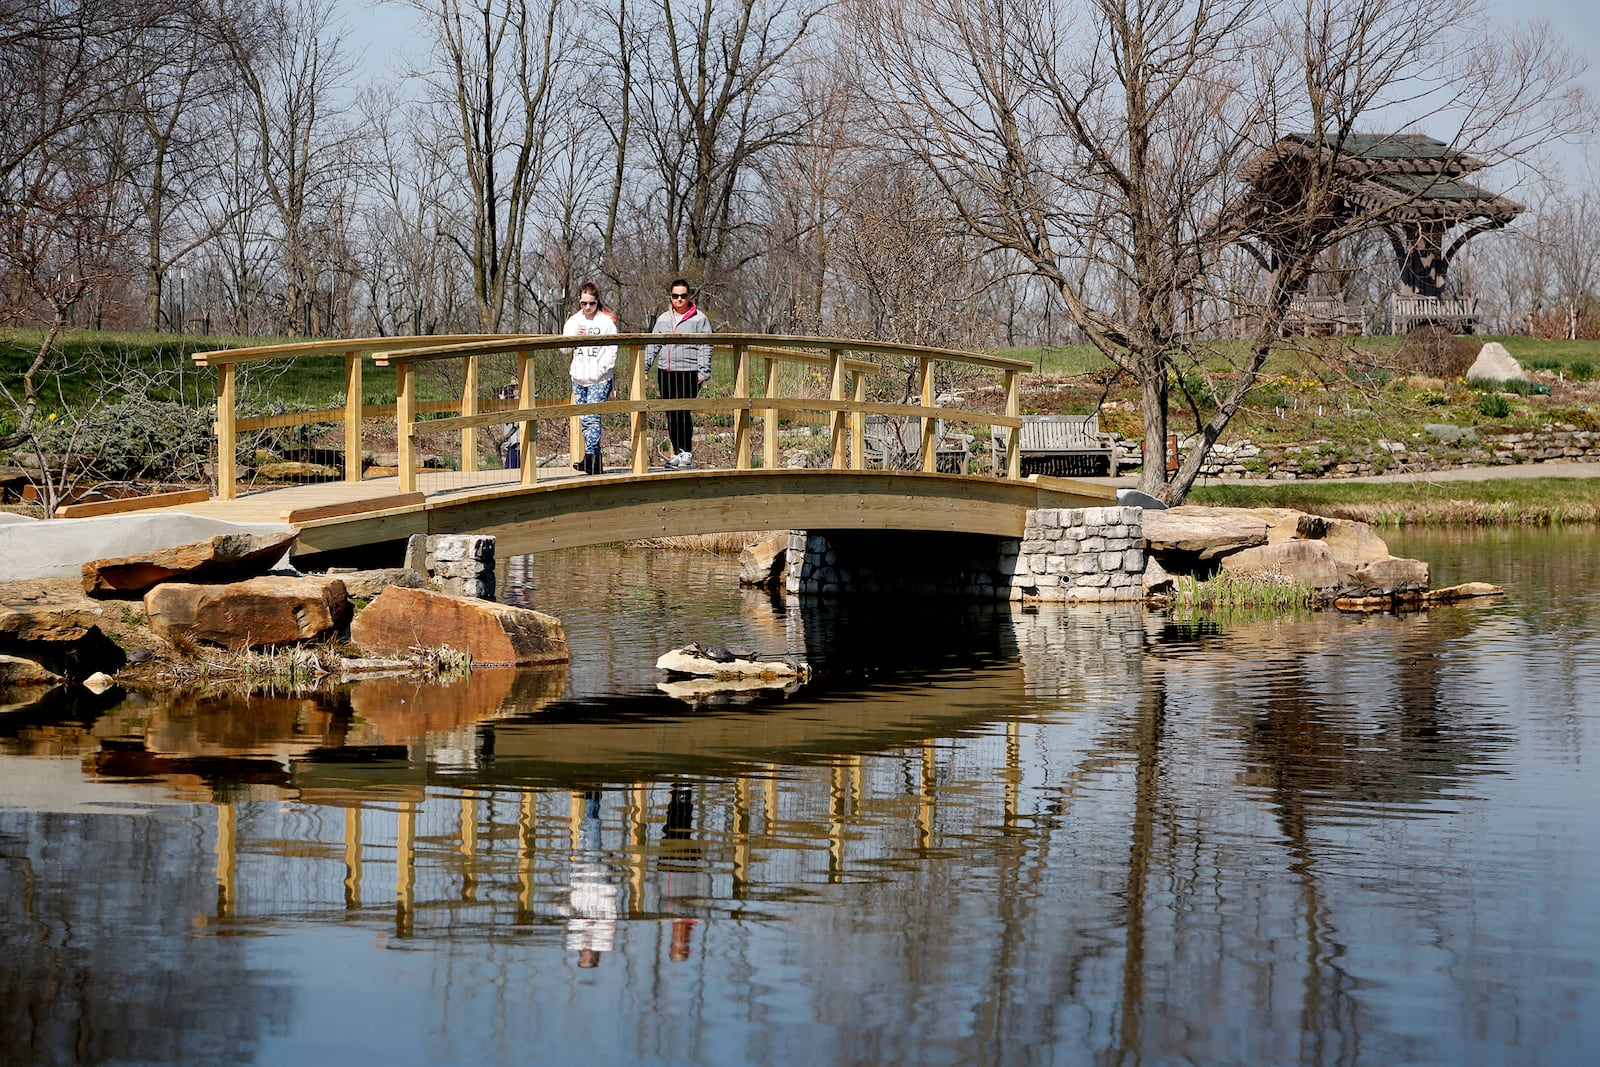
(802,432)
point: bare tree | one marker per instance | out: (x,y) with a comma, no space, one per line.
(904,255)
(714,93)
(1571,227)
(290,59)
(175,73)
(64,219)
(411,281)
(492,91)
(1102,141)
(59,70)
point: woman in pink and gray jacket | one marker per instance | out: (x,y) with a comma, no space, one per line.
(682,367)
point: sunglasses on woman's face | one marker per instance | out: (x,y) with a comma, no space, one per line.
(588,303)
(680,296)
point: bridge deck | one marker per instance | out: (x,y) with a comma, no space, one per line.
(279,503)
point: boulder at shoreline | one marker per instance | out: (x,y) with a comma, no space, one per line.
(1339,558)
(401,619)
(230,555)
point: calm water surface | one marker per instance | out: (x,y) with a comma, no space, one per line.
(979,836)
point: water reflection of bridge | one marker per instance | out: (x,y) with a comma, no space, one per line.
(478,821)
(484,827)
(1127,821)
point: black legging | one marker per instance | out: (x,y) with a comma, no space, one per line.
(679,385)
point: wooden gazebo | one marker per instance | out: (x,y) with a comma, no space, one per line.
(1409,185)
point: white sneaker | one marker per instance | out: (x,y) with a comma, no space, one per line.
(681,460)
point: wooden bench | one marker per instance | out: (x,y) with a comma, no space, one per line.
(896,443)
(1065,446)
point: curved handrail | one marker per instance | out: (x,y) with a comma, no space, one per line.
(777,342)
(845,408)
(294,349)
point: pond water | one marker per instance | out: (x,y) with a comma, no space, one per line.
(979,835)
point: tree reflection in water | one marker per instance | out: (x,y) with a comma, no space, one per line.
(988,835)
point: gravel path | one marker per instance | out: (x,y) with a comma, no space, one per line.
(1455,474)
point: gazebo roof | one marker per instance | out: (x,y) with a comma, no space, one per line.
(1402,176)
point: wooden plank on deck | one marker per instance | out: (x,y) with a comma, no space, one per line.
(354,507)
(132,503)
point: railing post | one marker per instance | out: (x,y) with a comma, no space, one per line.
(836,419)
(405,417)
(858,423)
(637,422)
(527,429)
(227,435)
(1013,433)
(769,416)
(574,435)
(352,416)
(469,406)
(741,416)
(930,426)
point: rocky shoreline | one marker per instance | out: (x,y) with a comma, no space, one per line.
(230,606)
(206,608)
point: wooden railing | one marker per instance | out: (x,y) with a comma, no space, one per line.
(838,360)
(350,413)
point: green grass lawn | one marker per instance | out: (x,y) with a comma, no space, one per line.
(1492,501)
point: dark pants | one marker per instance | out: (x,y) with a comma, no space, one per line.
(679,385)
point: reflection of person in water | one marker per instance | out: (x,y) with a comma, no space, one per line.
(591,908)
(681,861)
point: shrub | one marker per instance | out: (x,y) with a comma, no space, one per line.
(1581,417)
(1196,388)
(140,439)
(1581,370)
(1494,406)
(1435,352)
(1272,400)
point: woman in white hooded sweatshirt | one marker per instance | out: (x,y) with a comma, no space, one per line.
(592,370)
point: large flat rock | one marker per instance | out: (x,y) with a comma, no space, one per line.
(255,613)
(1203,532)
(761,564)
(66,641)
(58,548)
(400,620)
(228,555)
(684,661)
(1310,562)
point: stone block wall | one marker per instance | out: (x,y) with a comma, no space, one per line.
(1075,555)
(460,564)
(1442,447)
(1068,555)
